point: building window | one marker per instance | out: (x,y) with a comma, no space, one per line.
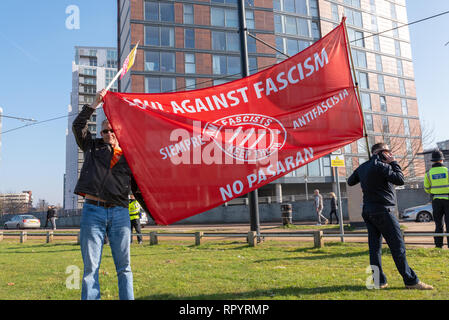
(379,63)
(374,23)
(93,62)
(380,83)
(251,44)
(348,165)
(354,17)
(249,16)
(397,48)
(313,8)
(188,14)
(335,15)
(369,122)
(354,3)
(278,24)
(226,65)
(373,5)
(406,127)
(362,79)
(404,107)
(159,84)
(383,104)
(189,38)
(399,67)
(402,87)
(190,66)
(366,100)
(315,30)
(224,17)
(253,65)
(160,61)
(385,125)
(297,26)
(111,59)
(225,41)
(359,58)
(190,84)
(376,43)
(224,1)
(159,36)
(356,38)
(109,75)
(293,6)
(361,146)
(393,10)
(159,11)
(394,26)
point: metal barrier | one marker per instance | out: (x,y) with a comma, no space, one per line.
(251,237)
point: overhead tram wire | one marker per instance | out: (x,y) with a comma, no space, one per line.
(236,74)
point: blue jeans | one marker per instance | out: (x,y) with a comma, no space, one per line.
(386,224)
(96,222)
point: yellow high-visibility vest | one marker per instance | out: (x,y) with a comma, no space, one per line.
(436,182)
(134,209)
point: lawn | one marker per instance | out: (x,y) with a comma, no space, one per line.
(219,270)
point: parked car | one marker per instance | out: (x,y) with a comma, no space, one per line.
(422,213)
(143,218)
(23,221)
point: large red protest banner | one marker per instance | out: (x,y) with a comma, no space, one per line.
(194,150)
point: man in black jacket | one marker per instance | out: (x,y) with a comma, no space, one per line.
(377,178)
(105,182)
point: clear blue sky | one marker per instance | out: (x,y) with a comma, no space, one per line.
(37,51)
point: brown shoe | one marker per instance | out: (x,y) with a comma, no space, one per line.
(420,286)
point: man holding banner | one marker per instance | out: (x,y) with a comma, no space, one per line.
(105,181)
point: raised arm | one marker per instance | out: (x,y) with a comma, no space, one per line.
(79,125)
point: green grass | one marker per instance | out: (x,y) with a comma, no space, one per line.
(220,270)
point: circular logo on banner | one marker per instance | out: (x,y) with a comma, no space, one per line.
(247,137)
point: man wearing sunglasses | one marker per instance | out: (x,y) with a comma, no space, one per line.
(105,181)
(377,177)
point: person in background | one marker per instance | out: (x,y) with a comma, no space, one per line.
(333,207)
(377,177)
(134,216)
(318,203)
(436,183)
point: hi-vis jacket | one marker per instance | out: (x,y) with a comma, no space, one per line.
(436,182)
(134,210)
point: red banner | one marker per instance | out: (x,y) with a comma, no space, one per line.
(192,151)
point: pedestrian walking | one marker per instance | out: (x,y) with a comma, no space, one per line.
(436,183)
(377,177)
(334,207)
(318,204)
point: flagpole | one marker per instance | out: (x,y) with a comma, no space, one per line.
(253,197)
(357,89)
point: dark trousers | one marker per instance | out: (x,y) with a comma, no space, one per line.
(440,209)
(385,224)
(333,212)
(136,225)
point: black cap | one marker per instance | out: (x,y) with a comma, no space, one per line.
(437,155)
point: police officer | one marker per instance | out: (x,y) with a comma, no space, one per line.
(134,216)
(436,182)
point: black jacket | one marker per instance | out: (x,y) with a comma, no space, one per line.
(96,177)
(377,179)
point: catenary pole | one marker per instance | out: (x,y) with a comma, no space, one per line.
(252,196)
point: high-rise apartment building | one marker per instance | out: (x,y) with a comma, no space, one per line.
(191,44)
(92,70)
